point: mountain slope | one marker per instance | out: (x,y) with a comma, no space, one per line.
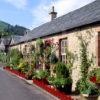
(3,25)
(7,29)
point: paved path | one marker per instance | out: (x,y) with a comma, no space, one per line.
(13,88)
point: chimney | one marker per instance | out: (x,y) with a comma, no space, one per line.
(53,13)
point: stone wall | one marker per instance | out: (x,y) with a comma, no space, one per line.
(74,47)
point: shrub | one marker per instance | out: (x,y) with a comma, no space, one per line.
(81,85)
(61,70)
(86,87)
(63,84)
(59,82)
(50,80)
(23,66)
(39,42)
(98,75)
(40,74)
(3,57)
(14,67)
(15,55)
(53,58)
(30,72)
(91,90)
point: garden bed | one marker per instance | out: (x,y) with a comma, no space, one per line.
(52,90)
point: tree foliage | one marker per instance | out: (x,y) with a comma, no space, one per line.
(7,29)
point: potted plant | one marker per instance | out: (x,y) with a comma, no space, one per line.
(87,89)
(90,93)
(63,84)
(62,80)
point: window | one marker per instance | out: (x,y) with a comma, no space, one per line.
(63,45)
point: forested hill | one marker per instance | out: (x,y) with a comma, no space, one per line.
(7,29)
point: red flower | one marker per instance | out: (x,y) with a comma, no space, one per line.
(53,91)
(93,79)
(48,42)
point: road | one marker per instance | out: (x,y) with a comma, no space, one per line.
(13,88)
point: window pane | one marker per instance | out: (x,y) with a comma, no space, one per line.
(63,50)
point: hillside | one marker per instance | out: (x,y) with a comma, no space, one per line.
(3,25)
(7,29)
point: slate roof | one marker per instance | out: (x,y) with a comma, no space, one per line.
(2,46)
(86,15)
(5,41)
(15,39)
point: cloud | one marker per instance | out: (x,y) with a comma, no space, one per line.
(20,4)
(40,13)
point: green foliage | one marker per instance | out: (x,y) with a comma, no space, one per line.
(53,58)
(81,85)
(23,66)
(92,73)
(30,73)
(14,67)
(85,61)
(39,42)
(47,53)
(86,87)
(61,70)
(39,47)
(3,25)
(50,80)
(62,78)
(70,59)
(95,73)
(14,55)
(40,74)
(61,82)
(7,29)
(3,57)
(98,75)
(19,30)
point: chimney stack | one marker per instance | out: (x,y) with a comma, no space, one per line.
(53,13)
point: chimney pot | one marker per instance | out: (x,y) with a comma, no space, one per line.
(53,13)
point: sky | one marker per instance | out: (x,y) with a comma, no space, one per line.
(32,13)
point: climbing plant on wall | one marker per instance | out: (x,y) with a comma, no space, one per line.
(86,62)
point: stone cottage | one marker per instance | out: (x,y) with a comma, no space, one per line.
(64,31)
